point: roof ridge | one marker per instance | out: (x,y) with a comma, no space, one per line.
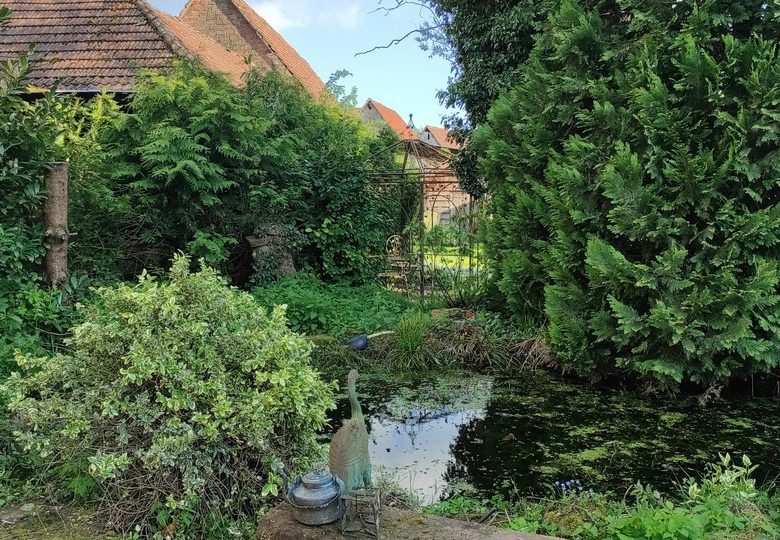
(249,13)
(176,46)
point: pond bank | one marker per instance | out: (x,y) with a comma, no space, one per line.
(395,523)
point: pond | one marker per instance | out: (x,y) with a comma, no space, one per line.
(517,435)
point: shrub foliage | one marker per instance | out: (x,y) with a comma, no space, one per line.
(204,165)
(314,307)
(176,401)
(724,504)
(634,173)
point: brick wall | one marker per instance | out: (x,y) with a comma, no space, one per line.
(220,20)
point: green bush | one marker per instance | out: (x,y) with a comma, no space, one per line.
(174,403)
(315,307)
(634,182)
(199,165)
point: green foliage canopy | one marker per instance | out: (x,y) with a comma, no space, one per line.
(634,174)
(204,165)
(488,42)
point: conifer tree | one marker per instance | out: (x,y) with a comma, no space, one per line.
(635,174)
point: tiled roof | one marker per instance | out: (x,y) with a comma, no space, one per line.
(89,45)
(393,119)
(224,21)
(213,55)
(442,136)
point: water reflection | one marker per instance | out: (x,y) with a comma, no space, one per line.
(417,454)
(515,435)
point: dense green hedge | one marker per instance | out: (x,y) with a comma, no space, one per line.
(634,174)
(194,164)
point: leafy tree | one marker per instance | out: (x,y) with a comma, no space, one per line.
(325,179)
(175,403)
(634,176)
(339,91)
(191,157)
(488,42)
(204,165)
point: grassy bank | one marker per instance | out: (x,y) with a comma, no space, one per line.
(724,504)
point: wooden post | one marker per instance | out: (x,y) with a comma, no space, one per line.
(56,215)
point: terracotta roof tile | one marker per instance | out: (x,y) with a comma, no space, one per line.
(442,136)
(217,18)
(393,119)
(87,44)
(102,44)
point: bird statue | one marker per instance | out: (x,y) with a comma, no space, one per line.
(348,456)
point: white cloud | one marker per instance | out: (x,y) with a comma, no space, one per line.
(283,14)
(348,17)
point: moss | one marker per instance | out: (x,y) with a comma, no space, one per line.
(54,524)
(741,423)
(672,418)
(591,454)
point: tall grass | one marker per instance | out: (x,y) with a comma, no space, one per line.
(411,349)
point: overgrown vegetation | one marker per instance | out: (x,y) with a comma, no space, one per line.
(176,401)
(420,342)
(635,211)
(724,504)
(28,132)
(339,310)
(31,317)
(202,166)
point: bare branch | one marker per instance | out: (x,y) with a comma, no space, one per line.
(396,41)
(402,3)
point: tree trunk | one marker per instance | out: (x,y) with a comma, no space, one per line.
(56,214)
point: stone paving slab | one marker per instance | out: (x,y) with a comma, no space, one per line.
(395,524)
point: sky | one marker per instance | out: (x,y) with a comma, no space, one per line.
(328,33)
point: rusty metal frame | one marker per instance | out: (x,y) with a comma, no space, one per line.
(415,152)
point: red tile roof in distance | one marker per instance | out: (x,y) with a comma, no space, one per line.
(393,119)
(224,21)
(442,136)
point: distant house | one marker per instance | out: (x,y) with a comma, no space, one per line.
(373,111)
(439,136)
(93,45)
(444,199)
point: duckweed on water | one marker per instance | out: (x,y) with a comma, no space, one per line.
(515,435)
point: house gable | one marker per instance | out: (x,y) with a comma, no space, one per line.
(372,110)
(439,136)
(235,25)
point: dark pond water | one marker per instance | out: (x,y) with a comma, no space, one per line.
(517,435)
